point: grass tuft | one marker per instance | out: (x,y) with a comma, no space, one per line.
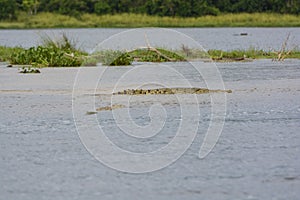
(53,53)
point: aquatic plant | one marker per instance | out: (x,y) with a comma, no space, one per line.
(151,54)
(250,53)
(63,43)
(60,53)
(57,55)
(46,57)
(6,52)
(121,58)
(110,58)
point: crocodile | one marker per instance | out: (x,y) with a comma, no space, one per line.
(168,91)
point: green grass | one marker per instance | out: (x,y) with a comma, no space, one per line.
(51,20)
(53,53)
(155,55)
(119,58)
(251,53)
(6,52)
(46,57)
(63,54)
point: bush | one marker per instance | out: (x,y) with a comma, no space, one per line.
(46,57)
(7,9)
(115,58)
(61,53)
(157,55)
(6,52)
(119,58)
(102,7)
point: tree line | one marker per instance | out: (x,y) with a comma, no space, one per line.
(181,8)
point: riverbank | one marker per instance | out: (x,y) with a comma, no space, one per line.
(50,56)
(51,20)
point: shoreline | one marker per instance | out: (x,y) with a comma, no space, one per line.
(7,65)
(42,21)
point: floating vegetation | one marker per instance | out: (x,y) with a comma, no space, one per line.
(286,51)
(63,53)
(118,58)
(151,54)
(6,52)
(46,57)
(143,54)
(238,55)
(60,53)
(63,43)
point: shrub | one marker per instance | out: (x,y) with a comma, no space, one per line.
(46,57)
(115,58)
(7,9)
(6,52)
(61,53)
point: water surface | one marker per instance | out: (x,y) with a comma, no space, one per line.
(209,38)
(257,156)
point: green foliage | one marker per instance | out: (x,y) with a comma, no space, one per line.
(63,43)
(119,58)
(123,59)
(8,9)
(6,52)
(67,7)
(52,56)
(183,8)
(252,53)
(30,6)
(170,54)
(50,20)
(192,53)
(46,57)
(249,53)
(115,58)
(161,55)
(172,8)
(90,61)
(61,53)
(251,6)
(294,54)
(102,7)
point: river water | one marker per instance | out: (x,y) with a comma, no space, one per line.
(209,38)
(256,156)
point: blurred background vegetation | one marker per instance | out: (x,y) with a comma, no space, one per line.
(11,9)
